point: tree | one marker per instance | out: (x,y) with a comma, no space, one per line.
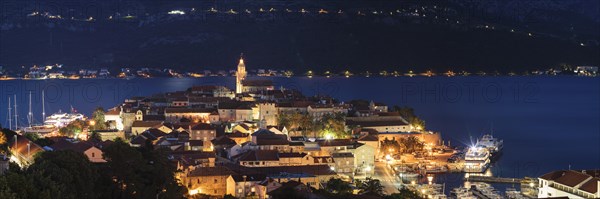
(284,120)
(70,173)
(370,186)
(5,190)
(7,134)
(296,121)
(338,186)
(409,115)
(54,174)
(39,141)
(72,128)
(404,193)
(138,173)
(3,139)
(287,192)
(411,144)
(229,196)
(99,119)
(390,146)
(333,125)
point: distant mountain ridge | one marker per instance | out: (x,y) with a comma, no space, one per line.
(348,41)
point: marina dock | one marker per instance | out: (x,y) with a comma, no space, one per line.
(493,179)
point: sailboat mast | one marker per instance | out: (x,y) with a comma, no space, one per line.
(30,114)
(16,114)
(9,115)
(43,107)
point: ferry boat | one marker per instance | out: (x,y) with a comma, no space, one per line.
(492,144)
(477,159)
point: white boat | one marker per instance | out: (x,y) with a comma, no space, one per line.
(435,168)
(61,119)
(462,193)
(494,145)
(42,130)
(406,174)
(484,190)
(477,159)
(512,193)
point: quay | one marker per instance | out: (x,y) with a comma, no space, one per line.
(493,179)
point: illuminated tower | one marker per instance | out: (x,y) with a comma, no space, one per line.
(240,75)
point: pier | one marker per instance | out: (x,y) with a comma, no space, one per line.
(493,179)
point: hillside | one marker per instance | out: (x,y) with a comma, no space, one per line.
(430,38)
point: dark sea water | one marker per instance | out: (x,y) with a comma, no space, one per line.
(547,123)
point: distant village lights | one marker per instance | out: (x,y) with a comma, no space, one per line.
(176,12)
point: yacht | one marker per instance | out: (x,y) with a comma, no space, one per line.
(42,130)
(485,190)
(61,119)
(462,193)
(406,174)
(477,159)
(494,145)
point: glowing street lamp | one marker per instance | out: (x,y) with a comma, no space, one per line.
(194,191)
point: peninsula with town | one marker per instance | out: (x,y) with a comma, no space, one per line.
(257,140)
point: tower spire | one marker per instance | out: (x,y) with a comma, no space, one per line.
(240,75)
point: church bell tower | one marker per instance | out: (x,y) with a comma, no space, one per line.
(240,75)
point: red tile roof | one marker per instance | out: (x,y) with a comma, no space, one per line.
(571,178)
(335,142)
(367,138)
(376,123)
(80,146)
(211,171)
(188,110)
(257,82)
(260,155)
(146,123)
(292,155)
(21,148)
(591,186)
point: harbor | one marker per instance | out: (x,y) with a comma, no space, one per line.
(418,172)
(444,162)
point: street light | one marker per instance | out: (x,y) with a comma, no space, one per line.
(163,190)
